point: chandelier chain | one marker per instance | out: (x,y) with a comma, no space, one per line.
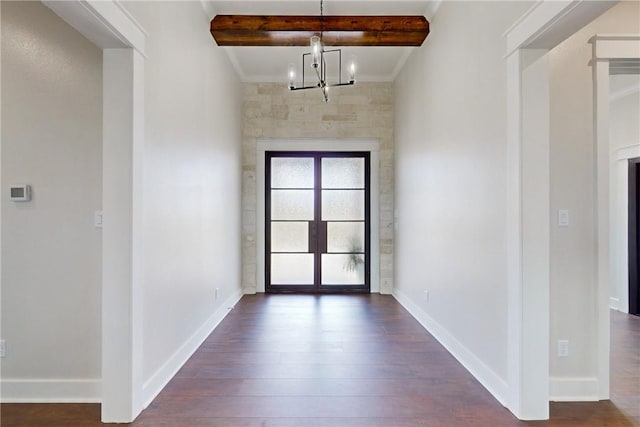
(321,18)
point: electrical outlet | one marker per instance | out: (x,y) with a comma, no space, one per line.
(3,348)
(217,292)
(563,348)
(426,296)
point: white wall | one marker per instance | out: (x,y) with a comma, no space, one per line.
(450,127)
(573,258)
(192,185)
(624,142)
(51,251)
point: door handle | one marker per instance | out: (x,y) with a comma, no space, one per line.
(318,236)
(323,237)
(312,236)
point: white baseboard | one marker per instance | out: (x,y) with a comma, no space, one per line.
(489,379)
(152,387)
(582,389)
(50,391)
(614,303)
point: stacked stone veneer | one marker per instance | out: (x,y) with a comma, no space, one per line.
(361,111)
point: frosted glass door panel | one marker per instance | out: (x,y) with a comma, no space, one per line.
(345,237)
(342,205)
(292,205)
(343,173)
(289,237)
(292,172)
(342,269)
(292,269)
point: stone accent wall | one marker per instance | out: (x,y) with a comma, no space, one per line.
(361,111)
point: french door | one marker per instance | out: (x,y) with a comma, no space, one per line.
(317,208)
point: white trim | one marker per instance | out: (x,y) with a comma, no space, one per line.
(611,47)
(154,385)
(514,234)
(519,22)
(579,389)
(614,303)
(627,36)
(496,385)
(628,152)
(528,233)
(547,23)
(131,18)
(535,232)
(106,23)
(310,144)
(51,390)
(536,22)
(122,242)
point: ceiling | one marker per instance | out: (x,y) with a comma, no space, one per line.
(269,64)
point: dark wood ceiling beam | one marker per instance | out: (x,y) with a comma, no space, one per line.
(256,30)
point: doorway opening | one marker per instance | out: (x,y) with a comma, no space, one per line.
(317,222)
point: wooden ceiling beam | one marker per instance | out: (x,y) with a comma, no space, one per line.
(285,30)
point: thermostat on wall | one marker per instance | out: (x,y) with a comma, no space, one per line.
(20,193)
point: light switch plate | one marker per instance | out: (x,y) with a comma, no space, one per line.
(563,217)
(563,348)
(97,219)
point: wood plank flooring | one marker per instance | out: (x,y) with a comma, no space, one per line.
(340,360)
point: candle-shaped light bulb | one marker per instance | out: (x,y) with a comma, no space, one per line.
(316,51)
(292,76)
(325,91)
(352,69)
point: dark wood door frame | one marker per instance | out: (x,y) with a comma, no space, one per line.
(317,233)
(634,235)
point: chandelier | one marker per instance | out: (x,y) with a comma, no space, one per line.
(319,65)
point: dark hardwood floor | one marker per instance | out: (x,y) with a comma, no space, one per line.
(338,360)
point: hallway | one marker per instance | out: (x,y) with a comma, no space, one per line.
(339,360)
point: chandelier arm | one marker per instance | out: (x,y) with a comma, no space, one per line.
(340,84)
(304,87)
